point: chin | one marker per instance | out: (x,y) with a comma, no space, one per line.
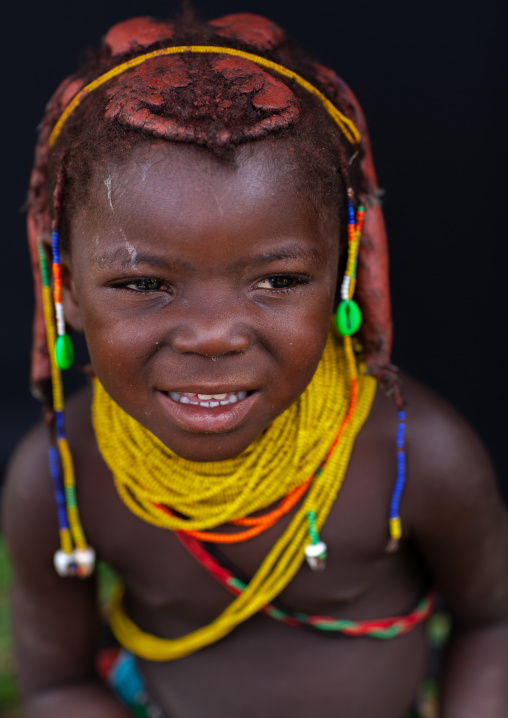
(209,447)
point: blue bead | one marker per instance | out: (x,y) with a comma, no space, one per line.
(401,466)
(59,495)
(54,469)
(59,423)
(56,246)
(62,518)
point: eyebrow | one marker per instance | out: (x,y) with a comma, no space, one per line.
(288,253)
(123,258)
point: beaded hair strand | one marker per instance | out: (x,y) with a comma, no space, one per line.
(74,557)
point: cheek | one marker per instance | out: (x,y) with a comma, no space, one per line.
(304,348)
(299,341)
(117,344)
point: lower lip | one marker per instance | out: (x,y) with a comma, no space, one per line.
(203,420)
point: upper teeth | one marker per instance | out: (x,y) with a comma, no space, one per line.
(208,400)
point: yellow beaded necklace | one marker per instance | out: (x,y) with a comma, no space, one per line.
(320,427)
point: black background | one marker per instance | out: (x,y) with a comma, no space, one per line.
(431,78)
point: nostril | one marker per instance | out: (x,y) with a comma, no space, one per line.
(211,342)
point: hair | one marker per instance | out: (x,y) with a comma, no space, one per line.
(218,103)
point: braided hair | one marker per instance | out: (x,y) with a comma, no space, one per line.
(218,102)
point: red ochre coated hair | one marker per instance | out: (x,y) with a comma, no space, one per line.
(217,102)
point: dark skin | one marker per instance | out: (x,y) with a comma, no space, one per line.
(243,270)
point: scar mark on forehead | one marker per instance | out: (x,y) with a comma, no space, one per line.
(132,252)
(122,257)
(107,182)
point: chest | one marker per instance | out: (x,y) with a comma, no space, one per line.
(163,580)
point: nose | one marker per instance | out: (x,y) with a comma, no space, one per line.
(212,330)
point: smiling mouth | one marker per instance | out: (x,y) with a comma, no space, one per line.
(208,400)
(209,413)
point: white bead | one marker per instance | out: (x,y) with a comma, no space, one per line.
(85,560)
(314,550)
(65,563)
(316,553)
(344,290)
(60,319)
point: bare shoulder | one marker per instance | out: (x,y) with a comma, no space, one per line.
(54,618)
(452,508)
(446,458)
(27,501)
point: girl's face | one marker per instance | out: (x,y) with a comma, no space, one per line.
(192,277)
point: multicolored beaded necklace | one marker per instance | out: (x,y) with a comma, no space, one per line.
(325,420)
(231,578)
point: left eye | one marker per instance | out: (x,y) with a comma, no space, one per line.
(145,285)
(278,282)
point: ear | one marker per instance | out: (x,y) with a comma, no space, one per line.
(70,303)
(72,310)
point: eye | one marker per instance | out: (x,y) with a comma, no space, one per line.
(144,284)
(282,282)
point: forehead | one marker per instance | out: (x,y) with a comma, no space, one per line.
(181,188)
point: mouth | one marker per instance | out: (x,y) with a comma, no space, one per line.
(209,401)
(215,413)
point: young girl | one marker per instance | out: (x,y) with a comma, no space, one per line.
(207,200)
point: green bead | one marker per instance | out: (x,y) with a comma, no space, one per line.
(348,317)
(64,351)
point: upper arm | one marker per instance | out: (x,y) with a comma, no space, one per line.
(455,514)
(54,619)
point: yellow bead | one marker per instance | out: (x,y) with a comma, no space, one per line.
(395,529)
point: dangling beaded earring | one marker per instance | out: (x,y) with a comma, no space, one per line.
(349,315)
(64,351)
(75,557)
(348,320)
